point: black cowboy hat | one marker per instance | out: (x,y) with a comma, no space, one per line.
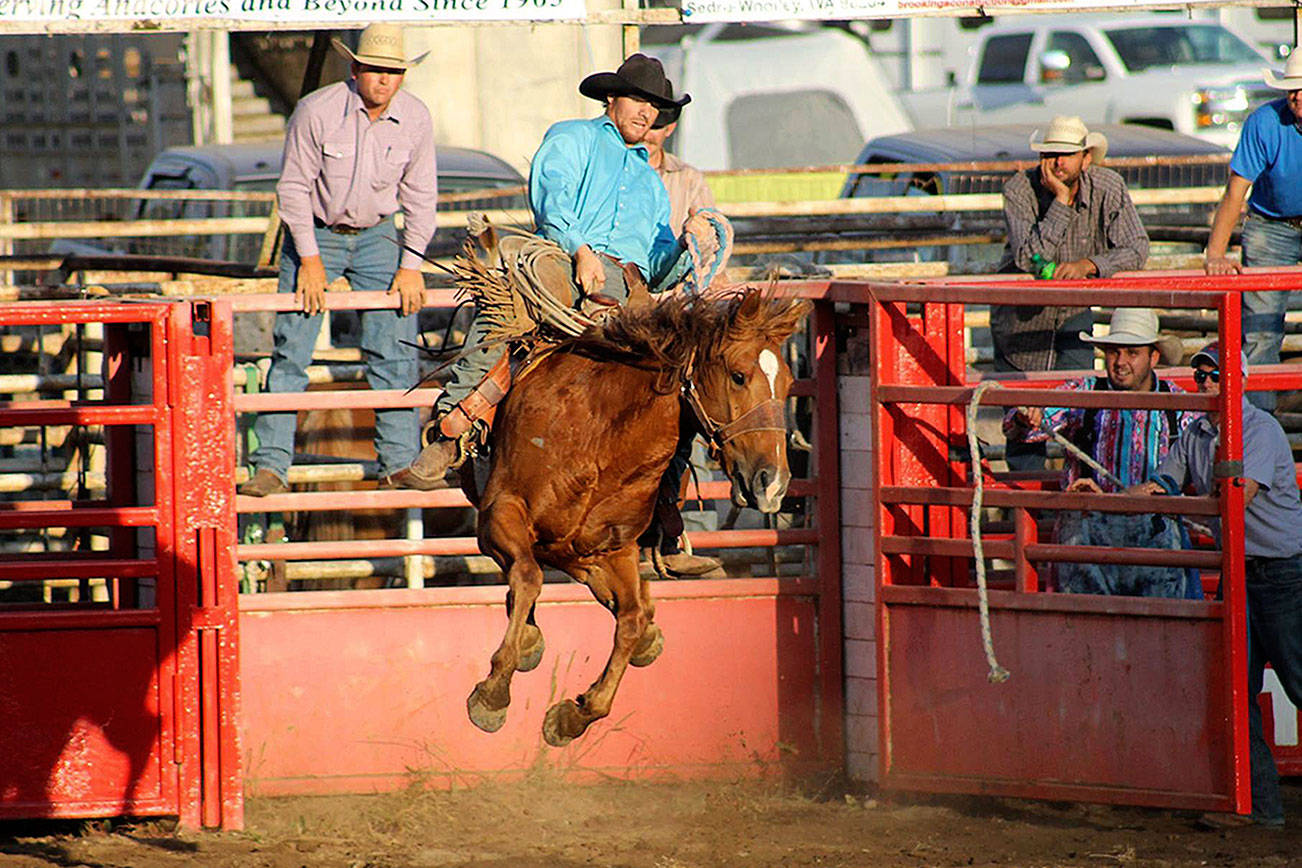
(639,76)
(668,116)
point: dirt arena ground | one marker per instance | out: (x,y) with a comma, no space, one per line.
(543,824)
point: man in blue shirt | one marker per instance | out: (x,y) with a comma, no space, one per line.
(594,193)
(1272,530)
(1269,160)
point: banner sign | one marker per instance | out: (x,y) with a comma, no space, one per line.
(141,15)
(701,11)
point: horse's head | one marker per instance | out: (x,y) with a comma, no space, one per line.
(742,383)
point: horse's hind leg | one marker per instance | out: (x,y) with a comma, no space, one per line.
(615,583)
(509,542)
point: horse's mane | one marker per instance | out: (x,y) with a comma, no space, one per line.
(666,335)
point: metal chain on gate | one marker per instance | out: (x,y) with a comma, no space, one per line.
(997,673)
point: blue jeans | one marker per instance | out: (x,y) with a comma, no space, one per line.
(1266,243)
(368,260)
(1274,636)
(466,374)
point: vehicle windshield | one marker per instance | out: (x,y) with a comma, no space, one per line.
(1141,48)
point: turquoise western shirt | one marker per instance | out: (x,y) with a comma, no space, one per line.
(586,186)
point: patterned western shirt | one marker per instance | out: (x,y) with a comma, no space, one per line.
(1101,225)
(1129,443)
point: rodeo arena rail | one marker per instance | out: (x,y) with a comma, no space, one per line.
(167,646)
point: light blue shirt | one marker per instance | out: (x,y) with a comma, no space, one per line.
(1272,523)
(1269,154)
(586,186)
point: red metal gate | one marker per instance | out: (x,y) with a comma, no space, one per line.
(1111,699)
(127,705)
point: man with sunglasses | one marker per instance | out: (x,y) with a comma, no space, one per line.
(1272,523)
(356,152)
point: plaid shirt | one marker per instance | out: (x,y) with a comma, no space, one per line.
(1101,225)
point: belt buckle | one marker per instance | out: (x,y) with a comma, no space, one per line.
(340,229)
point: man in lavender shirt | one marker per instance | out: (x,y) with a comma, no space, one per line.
(355,153)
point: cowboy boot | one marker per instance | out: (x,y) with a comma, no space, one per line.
(436,457)
(455,435)
(263,483)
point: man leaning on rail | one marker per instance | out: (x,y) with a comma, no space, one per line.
(1068,218)
(355,152)
(1268,158)
(1128,444)
(1272,530)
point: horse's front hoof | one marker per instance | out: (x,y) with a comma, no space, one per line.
(563,723)
(487,719)
(531,656)
(648,647)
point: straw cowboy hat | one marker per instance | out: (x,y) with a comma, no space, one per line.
(639,76)
(1068,135)
(381,45)
(1137,327)
(1292,78)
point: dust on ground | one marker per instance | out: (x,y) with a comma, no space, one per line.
(756,824)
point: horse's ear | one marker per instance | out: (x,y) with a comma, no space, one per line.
(751,304)
(788,315)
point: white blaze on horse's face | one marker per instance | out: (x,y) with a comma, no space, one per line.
(768,363)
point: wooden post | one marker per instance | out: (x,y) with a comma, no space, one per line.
(223,132)
(315,62)
(632,34)
(7,216)
(269,255)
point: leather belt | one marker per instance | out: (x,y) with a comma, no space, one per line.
(341,228)
(1295,222)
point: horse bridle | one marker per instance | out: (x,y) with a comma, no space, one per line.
(770,415)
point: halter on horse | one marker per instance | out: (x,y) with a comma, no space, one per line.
(578,450)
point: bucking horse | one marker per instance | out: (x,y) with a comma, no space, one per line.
(577,452)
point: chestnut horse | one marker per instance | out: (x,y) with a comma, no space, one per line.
(578,451)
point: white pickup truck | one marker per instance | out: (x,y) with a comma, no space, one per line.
(1194,77)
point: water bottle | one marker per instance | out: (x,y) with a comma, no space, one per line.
(1042,268)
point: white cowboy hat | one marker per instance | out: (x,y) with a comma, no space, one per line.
(1067,135)
(1292,78)
(381,44)
(1137,327)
